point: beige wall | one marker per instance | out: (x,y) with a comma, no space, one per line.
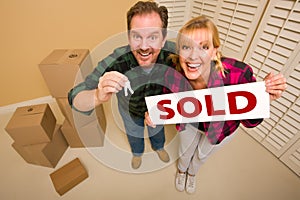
(31,29)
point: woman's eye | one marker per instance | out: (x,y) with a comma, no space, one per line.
(185,47)
(205,47)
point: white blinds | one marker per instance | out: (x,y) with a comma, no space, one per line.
(204,7)
(177,12)
(276,48)
(237,21)
(292,158)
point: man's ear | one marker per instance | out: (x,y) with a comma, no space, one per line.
(128,36)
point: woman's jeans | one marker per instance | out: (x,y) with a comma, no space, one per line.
(195,149)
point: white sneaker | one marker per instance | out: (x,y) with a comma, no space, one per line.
(180,181)
(190,184)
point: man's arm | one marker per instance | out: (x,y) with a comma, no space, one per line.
(84,101)
(98,86)
(110,83)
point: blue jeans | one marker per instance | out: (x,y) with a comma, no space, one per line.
(135,133)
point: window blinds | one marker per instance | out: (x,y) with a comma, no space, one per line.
(275,48)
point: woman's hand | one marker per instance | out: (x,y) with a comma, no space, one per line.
(148,121)
(275,85)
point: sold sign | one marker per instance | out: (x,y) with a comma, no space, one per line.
(235,102)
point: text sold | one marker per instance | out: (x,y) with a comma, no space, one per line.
(236,102)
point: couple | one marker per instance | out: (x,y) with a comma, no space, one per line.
(149,63)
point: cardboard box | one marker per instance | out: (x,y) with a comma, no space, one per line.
(32,124)
(73,116)
(78,118)
(64,68)
(101,117)
(68,176)
(71,135)
(44,154)
(66,109)
(75,121)
(90,135)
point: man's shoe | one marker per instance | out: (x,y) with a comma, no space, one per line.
(136,162)
(190,184)
(180,181)
(163,155)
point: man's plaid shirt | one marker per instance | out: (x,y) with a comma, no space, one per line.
(142,82)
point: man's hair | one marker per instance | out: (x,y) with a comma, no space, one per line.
(147,7)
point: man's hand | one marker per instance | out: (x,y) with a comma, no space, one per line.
(110,83)
(275,85)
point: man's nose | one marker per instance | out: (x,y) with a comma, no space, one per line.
(144,44)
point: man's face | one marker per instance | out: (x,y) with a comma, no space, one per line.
(146,39)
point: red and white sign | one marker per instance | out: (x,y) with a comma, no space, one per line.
(235,102)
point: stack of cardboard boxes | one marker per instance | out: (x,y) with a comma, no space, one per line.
(39,140)
(37,137)
(62,69)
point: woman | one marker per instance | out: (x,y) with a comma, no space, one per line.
(200,61)
(202,64)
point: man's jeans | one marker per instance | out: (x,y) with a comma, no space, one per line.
(135,134)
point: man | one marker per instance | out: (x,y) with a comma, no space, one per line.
(142,63)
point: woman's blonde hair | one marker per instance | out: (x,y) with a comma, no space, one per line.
(192,25)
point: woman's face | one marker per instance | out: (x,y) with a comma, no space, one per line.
(196,51)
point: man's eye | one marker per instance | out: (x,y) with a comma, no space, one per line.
(153,37)
(136,37)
